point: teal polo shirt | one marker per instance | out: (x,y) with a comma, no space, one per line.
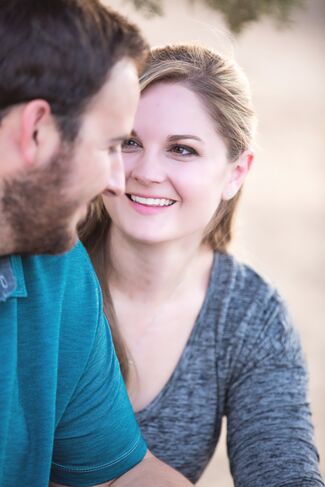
(64,411)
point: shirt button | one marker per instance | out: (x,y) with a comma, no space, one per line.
(3,282)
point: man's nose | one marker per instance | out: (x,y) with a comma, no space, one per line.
(116,181)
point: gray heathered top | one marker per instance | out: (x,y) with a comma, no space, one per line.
(243,360)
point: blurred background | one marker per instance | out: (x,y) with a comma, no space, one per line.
(281,223)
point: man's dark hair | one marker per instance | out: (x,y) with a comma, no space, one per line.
(61,51)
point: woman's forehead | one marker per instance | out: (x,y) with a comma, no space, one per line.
(173,105)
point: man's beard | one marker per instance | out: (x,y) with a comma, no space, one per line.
(37,210)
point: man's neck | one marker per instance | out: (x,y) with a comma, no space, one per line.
(6,245)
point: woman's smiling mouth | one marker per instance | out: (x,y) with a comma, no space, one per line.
(150,201)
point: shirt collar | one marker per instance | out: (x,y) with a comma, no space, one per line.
(12,280)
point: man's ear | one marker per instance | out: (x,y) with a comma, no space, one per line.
(38,135)
(238,173)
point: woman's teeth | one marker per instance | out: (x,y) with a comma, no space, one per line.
(151,201)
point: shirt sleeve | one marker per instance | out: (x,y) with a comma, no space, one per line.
(97,438)
(270,435)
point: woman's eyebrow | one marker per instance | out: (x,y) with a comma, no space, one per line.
(172,138)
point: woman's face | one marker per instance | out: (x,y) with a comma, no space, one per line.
(176,168)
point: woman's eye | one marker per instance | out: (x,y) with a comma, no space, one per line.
(130,145)
(183,150)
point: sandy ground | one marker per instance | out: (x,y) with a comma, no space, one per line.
(282,219)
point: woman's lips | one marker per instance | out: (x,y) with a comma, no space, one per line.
(149,205)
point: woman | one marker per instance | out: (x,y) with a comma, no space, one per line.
(199,336)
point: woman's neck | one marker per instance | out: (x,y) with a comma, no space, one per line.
(144,272)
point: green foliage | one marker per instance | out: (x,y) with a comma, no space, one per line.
(149,8)
(237,13)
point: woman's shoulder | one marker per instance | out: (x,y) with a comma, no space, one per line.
(239,282)
(253,319)
(249,306)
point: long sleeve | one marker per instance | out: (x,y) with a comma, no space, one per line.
(270,434)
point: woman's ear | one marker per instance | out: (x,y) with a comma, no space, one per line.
(38,135)
(238,173)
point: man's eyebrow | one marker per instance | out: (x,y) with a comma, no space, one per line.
(122,138)
(119,139)
(172,138)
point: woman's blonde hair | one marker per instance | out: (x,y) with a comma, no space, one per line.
(224,91)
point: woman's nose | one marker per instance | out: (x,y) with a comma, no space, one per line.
(148,168)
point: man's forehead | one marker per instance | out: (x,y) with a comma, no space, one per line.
(123,78)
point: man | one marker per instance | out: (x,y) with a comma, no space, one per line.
(68,93)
